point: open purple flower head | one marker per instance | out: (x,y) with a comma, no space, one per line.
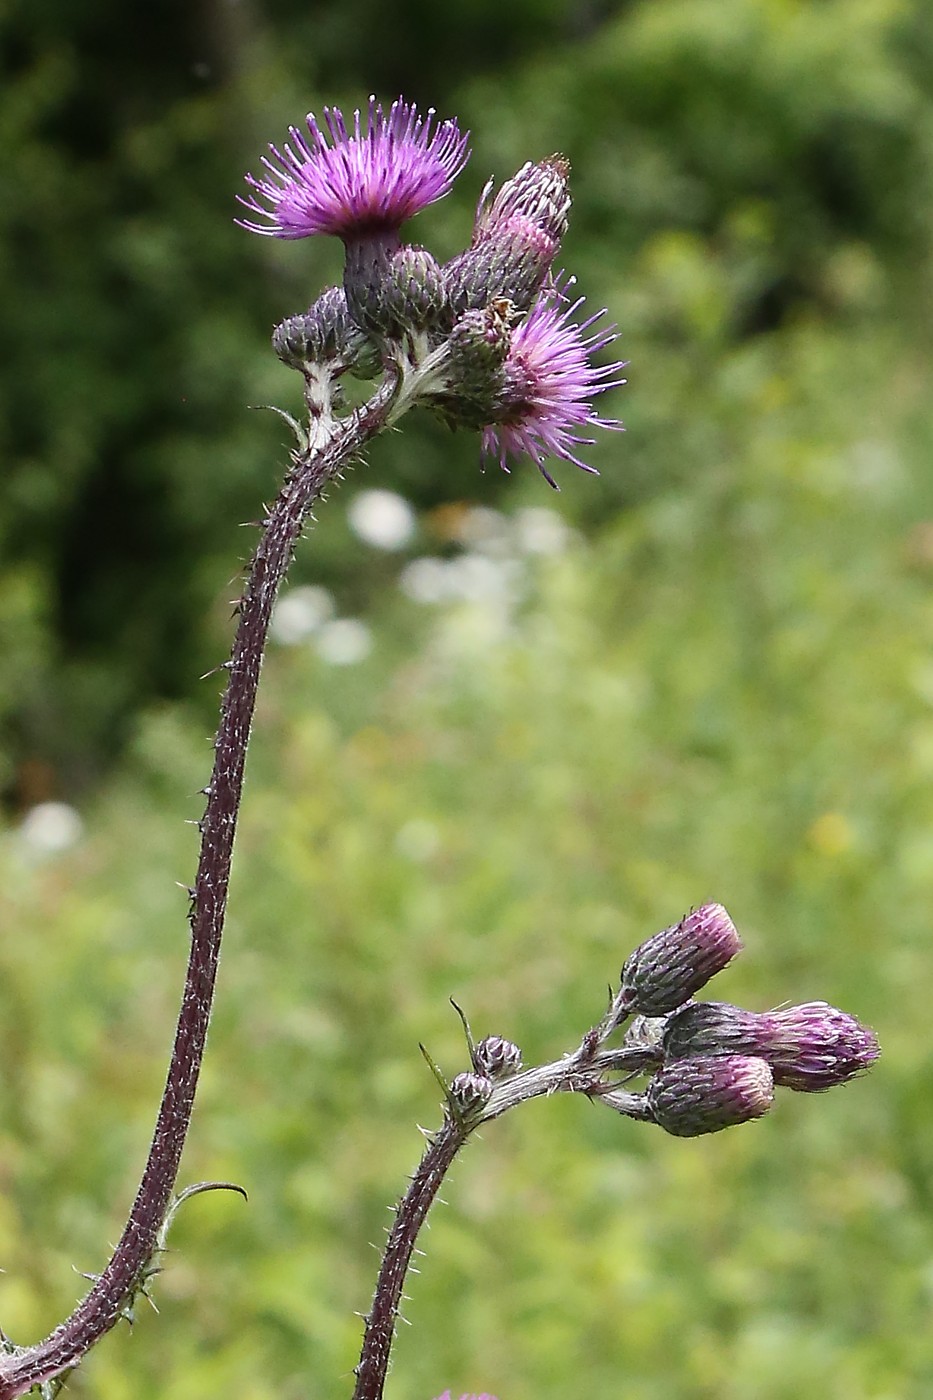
(356,182)
(551,382)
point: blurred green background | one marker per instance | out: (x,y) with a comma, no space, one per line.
(500,740)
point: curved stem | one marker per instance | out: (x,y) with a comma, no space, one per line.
(23,1367)
(409,1217)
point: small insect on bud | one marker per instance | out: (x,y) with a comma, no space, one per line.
(469,1091)
(809,1048)
(666,970)
(704,1095)
(497,1058)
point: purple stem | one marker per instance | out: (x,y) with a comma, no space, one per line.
(23,1367)
(409,1217)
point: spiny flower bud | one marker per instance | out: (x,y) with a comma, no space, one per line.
(470,1091)
(695,1096)
(414,296)
(809,1047)
(470,386)
(668,968)
(497,1058)
(391,290)
(516,238)
(326,335)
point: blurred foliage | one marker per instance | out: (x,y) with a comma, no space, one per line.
(738,165)
(721,689)
(727,695)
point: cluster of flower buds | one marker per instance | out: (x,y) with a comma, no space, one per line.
(717,1065)
(492,341)
(709,1065)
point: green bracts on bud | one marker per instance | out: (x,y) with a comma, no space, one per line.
(326,336)
(393,292)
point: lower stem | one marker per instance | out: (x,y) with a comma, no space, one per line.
(409,1218)
(23,1367)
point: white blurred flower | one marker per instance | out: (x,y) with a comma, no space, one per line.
(382,519)
(467,578)
(475,578)
(299,613)
(344,642)
(425,581)
(51,827)
(486,530)
(539,530)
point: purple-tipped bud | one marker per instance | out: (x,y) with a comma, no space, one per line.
(516,238)
(497,1058)
(667,969)
(810,1047)
(539,192)
(470,1091)
(326,335)
(691,1097)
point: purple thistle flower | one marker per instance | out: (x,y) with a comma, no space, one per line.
(550,382)
(356,183)
(691,1097)
(665,971)
(809,1047)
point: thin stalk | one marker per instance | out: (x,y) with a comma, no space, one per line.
(310,473)
(409,1217)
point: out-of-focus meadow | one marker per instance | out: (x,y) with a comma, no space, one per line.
(503,735)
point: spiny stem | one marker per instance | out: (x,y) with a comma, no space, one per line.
(23,1367)
(412,1210)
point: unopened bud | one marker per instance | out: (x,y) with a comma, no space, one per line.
(515,239)
(470,384)
(470,1091)
(497,1058)
(390,292)
(666,970)
(326,335)
(809,1047)
(704,1095)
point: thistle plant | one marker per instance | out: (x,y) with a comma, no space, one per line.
(495,342)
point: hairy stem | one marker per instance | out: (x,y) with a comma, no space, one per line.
(23,1367)
(410,1216)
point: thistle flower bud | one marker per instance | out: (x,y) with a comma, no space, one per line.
(497,1058)
(695,1096)
(809,1047)
(668,968)
(326,336)
(516,238)
(469,1092)
(392,289)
